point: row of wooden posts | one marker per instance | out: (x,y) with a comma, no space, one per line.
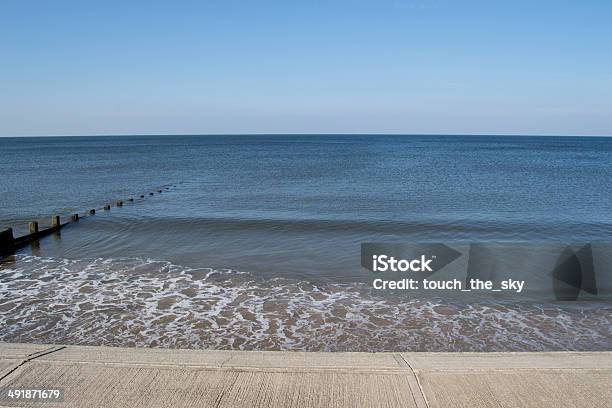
(9,243)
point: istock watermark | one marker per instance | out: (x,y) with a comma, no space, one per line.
(383,263)
(545,270)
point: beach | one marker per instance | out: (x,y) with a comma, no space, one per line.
(296,204)
(229,255)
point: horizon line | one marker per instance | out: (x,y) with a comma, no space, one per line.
(305,134)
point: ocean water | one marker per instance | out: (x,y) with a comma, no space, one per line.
(254,242)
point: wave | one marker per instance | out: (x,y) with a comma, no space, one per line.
(467,229)
(149,303)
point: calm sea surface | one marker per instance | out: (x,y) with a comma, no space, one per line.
(254,242)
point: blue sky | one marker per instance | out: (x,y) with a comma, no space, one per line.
(426,66)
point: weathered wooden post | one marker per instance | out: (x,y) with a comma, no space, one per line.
(33,227)
(9,243)
(6,240)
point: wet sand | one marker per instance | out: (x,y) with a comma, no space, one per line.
(145,303)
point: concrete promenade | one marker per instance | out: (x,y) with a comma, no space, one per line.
(120,377)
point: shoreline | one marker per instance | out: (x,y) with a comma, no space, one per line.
(116,377)
(159,304)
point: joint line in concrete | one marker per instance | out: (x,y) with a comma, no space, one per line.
(417,394)
(31,357)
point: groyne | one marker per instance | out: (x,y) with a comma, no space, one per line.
(9,243)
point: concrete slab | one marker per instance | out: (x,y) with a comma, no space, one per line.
(525,388)
(226,359)
(13,354)
(490,361)
(559,379)
(6,365)
(21,350)
(135,385)
(119,377)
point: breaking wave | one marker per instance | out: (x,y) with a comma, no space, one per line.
(148,303)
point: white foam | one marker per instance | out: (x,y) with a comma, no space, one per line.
(144,302)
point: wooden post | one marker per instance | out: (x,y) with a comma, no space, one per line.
(6,240)
(33,227)
(159,191)
(119,203)
(131,199)
(55,221)
(142,196)
(92,211)
(107,207)
(150,193)
(75,217)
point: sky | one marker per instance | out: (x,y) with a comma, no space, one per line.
(210,67)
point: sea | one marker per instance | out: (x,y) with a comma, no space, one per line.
(252,242)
